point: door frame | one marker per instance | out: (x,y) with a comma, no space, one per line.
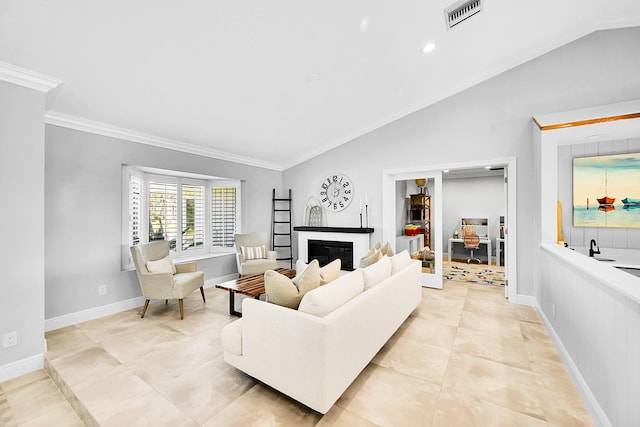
(431,280)
(390,176)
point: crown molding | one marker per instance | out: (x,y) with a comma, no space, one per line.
(84,125)
(27,78)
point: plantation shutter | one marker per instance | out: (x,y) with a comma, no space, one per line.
(135,210)
(193,222)
(163,212)
(223,216)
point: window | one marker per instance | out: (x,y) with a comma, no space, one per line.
(192,217)
(195,214)
(223,216)
(163,211)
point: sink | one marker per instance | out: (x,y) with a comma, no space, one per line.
(604,259)
(634,271)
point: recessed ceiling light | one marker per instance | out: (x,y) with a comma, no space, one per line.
(446,171)
(487,167)
(428,47)
(364,24)
(312,77)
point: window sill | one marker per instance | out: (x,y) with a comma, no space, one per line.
(197,257)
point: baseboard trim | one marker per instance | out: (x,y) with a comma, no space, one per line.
(599,417)
(90,314)
(525,300)
(116,307)
(21,367)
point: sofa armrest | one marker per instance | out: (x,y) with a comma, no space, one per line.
(187,267)
(284,348)
(272,254)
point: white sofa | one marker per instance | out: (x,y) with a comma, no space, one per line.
(314,358)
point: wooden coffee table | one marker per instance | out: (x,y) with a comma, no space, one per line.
(252,286)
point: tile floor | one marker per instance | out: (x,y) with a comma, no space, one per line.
(465,357)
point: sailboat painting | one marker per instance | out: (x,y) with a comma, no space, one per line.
(606,191)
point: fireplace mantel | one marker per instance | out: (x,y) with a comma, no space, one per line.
(334,229)
(360,237)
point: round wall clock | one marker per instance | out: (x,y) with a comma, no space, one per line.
(336,192)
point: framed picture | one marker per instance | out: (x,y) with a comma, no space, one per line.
(606,191)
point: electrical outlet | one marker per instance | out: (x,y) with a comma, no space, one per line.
(10,339)
(102,290)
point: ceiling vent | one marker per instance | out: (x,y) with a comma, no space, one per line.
(461,10)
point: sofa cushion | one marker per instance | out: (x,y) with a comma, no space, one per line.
(323,300)
(254,252)
(283,291)
(232,337)
(163,265)
(376,273)
(328,273)
(400,261)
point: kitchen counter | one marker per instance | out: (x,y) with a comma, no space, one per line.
(624,281)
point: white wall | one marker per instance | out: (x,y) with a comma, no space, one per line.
(22,220)
(491,120)
(623,238)
(481,197)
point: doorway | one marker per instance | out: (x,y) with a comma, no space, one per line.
(391,198)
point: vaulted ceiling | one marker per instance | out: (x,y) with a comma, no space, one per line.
(273,83)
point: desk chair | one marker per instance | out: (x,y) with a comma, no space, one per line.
(471,241)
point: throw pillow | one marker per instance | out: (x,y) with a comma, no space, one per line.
(328,273)
(376,273)
(254,252)
(371,259)
(283,291)
(163,265)
(400,261)
(324,300)
(386,250)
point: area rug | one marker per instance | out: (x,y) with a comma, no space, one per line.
(474,273)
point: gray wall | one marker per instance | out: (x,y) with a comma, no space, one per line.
(22,218)
(623,238)
(83,208)
(481,197)
(488,121)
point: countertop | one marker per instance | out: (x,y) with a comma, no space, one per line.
(605,271)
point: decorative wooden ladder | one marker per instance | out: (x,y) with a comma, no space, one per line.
(281,227)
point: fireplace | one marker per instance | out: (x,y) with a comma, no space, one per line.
(357,238)
(326,251)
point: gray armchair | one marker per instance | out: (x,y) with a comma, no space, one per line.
(165,285)
(248,267)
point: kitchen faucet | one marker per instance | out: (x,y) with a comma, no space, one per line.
(591,251)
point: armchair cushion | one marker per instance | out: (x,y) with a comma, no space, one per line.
(254,252)
(163,265)
(185,283)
